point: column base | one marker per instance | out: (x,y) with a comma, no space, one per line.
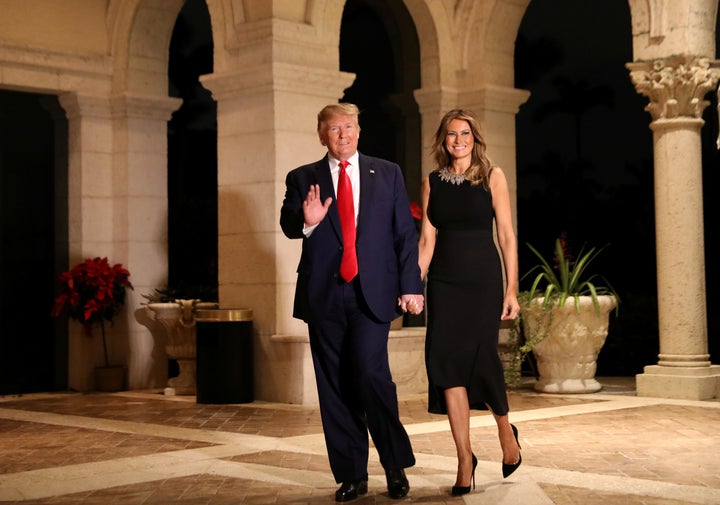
(684,383)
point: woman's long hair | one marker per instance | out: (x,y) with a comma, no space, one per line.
(480,164)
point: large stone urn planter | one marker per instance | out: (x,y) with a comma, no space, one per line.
(571,340)
(178,319)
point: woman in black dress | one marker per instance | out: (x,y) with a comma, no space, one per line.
(465,299)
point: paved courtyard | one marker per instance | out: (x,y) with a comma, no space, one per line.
(141,448)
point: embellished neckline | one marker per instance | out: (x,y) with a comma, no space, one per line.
(447,176)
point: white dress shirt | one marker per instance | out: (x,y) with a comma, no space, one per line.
(353,172)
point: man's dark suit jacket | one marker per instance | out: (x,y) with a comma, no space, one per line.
(387,241)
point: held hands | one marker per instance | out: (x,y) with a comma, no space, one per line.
(411,303)
(314,210)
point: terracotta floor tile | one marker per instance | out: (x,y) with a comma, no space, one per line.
(599,449)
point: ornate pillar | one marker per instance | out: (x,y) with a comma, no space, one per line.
(676,87)
(432,104)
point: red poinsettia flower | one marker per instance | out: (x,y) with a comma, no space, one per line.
(92,292)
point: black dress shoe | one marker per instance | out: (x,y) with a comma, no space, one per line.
(350,490)
(397,483)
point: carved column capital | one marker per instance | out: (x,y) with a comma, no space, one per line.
(675,85)
(78,105)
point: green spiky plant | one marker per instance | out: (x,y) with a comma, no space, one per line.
(567,278)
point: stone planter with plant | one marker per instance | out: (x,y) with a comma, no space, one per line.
(174,308)
(564,321)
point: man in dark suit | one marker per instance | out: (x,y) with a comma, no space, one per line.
(356,274)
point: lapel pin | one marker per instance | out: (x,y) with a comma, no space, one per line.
(372,171)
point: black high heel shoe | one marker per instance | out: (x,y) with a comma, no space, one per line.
(507,468)
(461,490)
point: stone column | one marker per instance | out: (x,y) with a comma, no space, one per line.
(267,125)
(89,210)
(117,207)
(267,122)
(676,87)
(496,107)
(433,103)
(140,213)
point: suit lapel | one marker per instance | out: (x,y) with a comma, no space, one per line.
(367,187)
(327,190)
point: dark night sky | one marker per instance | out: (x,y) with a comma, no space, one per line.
(589,42)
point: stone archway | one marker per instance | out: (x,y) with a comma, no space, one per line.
(379,44)
(192,159)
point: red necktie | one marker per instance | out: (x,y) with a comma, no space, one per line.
(346,209)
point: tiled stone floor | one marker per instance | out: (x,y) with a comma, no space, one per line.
(142,448)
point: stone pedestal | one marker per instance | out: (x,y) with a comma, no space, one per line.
(286,374)
(406,349)
(690,383)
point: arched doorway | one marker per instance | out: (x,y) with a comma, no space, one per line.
(379,44)
(33,242)
(192,159)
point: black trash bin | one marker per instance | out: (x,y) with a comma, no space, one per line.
(224,356)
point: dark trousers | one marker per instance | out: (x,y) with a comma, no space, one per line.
(355,388)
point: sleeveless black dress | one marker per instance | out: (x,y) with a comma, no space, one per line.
(464,298)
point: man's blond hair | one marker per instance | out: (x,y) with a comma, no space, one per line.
(337,109)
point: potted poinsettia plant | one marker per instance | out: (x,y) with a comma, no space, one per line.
(91,293)
(565,319)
